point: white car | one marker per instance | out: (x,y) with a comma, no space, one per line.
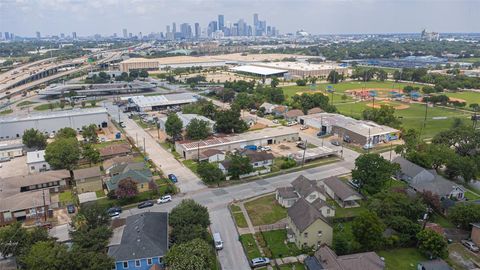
(303,127)
(470,245)
(275,121)
(265,148)
(164,199)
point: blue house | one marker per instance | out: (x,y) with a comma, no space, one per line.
(142,244)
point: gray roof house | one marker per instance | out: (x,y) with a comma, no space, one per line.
(308,189)
(342,193)
(142,177)
(421,179)
(326,258)
(143,242)
(286,196)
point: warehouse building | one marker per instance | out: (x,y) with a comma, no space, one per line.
(357,131)
(303,69)
(12,127)
(155,103)
(260,71)
(267,136)
(10,150)
(171,62)
(186,119)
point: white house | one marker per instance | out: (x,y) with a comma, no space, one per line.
(36,162)
(212,155)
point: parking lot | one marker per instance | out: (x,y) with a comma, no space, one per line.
(14,167)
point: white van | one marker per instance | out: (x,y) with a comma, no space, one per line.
(217,239)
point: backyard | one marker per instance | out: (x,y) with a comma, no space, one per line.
(401,258)
(274,241)
(265,210)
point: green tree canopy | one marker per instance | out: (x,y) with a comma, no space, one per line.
(229,122)
(197,129)
(193,255)
(368,230)
(210,173)
(47,255)
(239,165)
(173,126)
(32,138)
(432,244)
(463,214)
(189,212)
(372,172)
(90,153)
(89,133)
(66,132)
(385,115)
(63,153)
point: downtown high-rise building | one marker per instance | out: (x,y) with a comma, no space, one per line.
(221,22)
(74,35)
(198,31)
(174,28)
(125,33)
(185,30)
(38,35)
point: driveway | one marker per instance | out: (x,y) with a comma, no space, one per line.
(187,180)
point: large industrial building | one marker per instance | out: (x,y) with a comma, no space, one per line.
(153,103)
(267,136)
(260,71)
(357,131)
(304,69)
(50,122)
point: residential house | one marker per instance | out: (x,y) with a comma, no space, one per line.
(268,107)
(212,155)
(55,181)
(257,160)
(437,264)
(324,208)
(141,177)
(314,110)
(292,115)
(421,180)
(308,189)
(286,196)
(142,243)
(475,235)
(9,151)
(342,193)
(112,162)
(23,206)
(306,226)
(114,150)
(125,167)
(279,110)
(36,161)
(326,258)
(88,179)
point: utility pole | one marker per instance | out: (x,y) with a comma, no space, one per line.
(304,152)
(198,151)
(44,206)
(136,138)
(144,149)
(368,142)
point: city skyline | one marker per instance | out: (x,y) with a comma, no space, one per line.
(87,17)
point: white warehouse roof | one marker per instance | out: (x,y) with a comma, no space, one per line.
(52,114)
(264,71)
(162,100)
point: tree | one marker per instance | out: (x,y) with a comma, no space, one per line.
(143,74)
(32,138)
(385,115)
(13,239)
(210,173)
(47,255)
(274,82)
(173,126)
(368,230)
(189,212)
(186,233)
(461,166)
(66,132)
(432,200)
(463,214)
(432,244)
(333,77)
(229,122)
(226,95)
(94,216)
(301,82)
(83,103)
(372,172)
(308,101)
(91,260)
(90,153)
(193,255)
(127,188)
(89,133)
(93,103)
(198,129)
(63,153)
(95,239)
(388,204)
(239,165)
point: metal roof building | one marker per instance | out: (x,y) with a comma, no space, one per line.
(262,71)
(149,103)
(50,122)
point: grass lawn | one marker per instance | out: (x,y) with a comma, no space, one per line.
(66,197)
(191,164)
(349,212)
(250,246)
(101,145)
(4,112)
(100,193)
(295,266)
(401,259)
(442,221)
(468,60)
(265,210)
(468,96)
(25,103)
(240,219)
(471,196)
(275,241)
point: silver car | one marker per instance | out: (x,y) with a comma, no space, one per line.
(470,245)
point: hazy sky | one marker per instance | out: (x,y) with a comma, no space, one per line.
(86,17)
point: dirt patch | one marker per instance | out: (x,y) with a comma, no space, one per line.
(396,107)
(309,92)
(381,92)
(257,126)
(456,99)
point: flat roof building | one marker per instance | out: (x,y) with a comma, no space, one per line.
(357,131)
(191,149)
(12,127)
(260,71)
(149,103)
(303,69)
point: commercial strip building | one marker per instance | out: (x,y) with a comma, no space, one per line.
(12,150)
(153,103)
(357,131)
(267,136)
(186,119)
(50,122)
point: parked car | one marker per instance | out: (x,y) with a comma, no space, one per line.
(70,208)
(335,142)
(265,148)
(261,261)
(122,125)
(173,178)
(303,127)
(275,121)
(292,123)
(470,245)
(250,147)
(367,146)
(347,139)
(164,199)
(114,211)
(145,204)
(218,241)
(301,145)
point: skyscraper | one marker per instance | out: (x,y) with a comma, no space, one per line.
(174,28)
(125,33)
(186,30)
(212,27)
(197,30)
(7,36)
(168,28)
(74,35)
(221,22)
(38,35)
(255,20)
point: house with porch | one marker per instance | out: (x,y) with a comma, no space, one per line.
(141,177)
(141,243)
(342,193)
